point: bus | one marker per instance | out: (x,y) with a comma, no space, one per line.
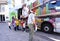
(49,22)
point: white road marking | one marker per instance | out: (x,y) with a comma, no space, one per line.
(54,39)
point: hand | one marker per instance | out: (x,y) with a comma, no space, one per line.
(22,16)
(35,28)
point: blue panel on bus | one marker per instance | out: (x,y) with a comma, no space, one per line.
(58,3)
(53,5)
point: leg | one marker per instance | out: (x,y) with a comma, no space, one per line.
(15,28)
(27,29)
(9,27)
(24,27)
(31,32)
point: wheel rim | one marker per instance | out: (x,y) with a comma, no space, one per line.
(46,28)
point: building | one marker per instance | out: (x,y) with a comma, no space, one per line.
(4,10)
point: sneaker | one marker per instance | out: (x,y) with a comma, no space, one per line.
(24,31)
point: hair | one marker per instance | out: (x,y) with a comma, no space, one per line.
(29,12)
(24,5)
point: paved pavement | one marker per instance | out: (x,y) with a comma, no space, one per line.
(10,35)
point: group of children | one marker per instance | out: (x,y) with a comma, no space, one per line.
(17,24)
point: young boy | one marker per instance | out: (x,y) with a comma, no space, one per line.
(17,24)
(31,22)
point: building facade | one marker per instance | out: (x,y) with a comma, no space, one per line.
(4,11)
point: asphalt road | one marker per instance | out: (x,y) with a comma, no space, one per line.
(48,36)
(10,35)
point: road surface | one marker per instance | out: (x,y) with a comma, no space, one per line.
(10,35)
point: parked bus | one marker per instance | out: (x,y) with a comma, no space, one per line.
(49,22)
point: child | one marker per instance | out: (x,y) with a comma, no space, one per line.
(20,26)
(9,24)
(23,25)
(17,25)
(13,19)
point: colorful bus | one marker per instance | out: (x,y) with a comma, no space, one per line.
(49,22)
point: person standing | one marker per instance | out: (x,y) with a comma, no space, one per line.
(25,11)
(31,22)
(24,15)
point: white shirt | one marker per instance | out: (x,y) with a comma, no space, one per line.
(31,17)
(25,11)
(9,23)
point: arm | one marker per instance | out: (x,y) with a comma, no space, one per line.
(34,21)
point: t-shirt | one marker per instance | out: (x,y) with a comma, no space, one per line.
(9,23)
(31,18)
(17,22)
(25,11)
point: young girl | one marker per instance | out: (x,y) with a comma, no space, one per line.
(9,24)
(23,25)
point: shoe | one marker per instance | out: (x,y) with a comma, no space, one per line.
(24,31)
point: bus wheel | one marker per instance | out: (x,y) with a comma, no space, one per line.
(47,28)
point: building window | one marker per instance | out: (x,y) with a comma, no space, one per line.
(2,8)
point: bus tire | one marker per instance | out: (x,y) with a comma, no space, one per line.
(47,28)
